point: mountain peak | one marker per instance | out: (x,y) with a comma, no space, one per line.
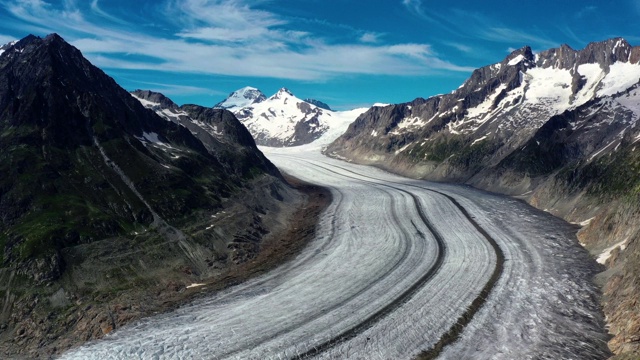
(54,37)
(242,97)
(519,55)
(604,53)
(284,90)
(282,93)
(154,98)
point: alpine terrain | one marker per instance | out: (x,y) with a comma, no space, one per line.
(283,119)
(559,129)
(108,212)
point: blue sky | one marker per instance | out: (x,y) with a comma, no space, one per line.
(348,53)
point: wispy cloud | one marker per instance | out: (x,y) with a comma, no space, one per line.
(510,35)
(460,47)
(96,9)
(480,26)
(585,11)
(224,37)
(416,7)
(370,37)
(565,29)
(413,5)
(468,26)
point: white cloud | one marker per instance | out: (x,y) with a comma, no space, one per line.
(468,25)
(414,6)
(585,11)
(224,38)
(96,9)
(509,35)
(460,47)
(370,37)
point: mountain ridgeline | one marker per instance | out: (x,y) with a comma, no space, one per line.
(558,129)
(102,199)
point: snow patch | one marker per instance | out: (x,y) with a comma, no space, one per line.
(402,148)
(550,88)
(478,140)
(586,222)
(516,60)
(593,75)
(621,76)
(606,254)
(146,103)
(195,285)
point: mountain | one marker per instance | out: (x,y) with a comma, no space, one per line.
(558,129)
(218,130)
(283,119)
(104,205)
(241,98)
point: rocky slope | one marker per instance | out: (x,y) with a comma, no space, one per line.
(283,119)
(219,130)
(559,129)
(107,210)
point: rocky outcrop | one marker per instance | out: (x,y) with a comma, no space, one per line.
(318,103)
(558,129)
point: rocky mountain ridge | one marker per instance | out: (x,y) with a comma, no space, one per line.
(558,129)
(283,119)
(108,210)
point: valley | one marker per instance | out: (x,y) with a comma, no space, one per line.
(387,275)
(275,227)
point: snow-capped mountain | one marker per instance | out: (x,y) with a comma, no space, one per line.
(241,98)
(283,119)
(559,129)
(502,107)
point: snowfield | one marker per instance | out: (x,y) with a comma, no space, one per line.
(395,263)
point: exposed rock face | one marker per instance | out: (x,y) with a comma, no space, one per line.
(102,200)
(559,128)
(318,103)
